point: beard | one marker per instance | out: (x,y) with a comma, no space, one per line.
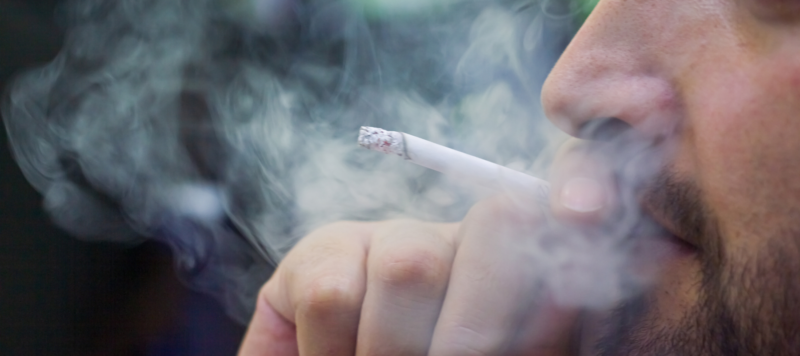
(749,301)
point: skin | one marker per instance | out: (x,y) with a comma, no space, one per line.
(716,85)
(719,78)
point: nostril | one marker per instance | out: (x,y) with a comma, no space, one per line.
(605,129)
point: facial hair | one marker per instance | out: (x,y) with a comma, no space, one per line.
(749,301)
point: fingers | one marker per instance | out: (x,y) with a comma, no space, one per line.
(408,270)
(326,291)
(494,287)
(320,288)
(356,289)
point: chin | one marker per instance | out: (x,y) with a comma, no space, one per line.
(745,306)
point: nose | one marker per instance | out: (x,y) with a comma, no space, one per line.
(612,69)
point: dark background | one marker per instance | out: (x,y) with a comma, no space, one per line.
(62,296)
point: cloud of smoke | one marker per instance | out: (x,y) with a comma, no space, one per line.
(226,128)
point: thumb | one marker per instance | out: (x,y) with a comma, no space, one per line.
(269,334)
(583,189)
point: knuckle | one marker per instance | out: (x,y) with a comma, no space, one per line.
(273,292)
(264,293)
(412,267)
(263,299)
(329,296)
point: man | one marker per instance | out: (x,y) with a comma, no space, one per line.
(715,81)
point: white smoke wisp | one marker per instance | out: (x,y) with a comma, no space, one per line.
(226,128)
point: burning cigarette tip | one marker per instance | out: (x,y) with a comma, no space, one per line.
(452,162)
(376,139)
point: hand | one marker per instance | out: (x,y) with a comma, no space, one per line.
(413,288)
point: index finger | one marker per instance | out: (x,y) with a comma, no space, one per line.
(317,290)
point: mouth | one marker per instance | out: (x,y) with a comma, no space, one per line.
(654,249)
(667,229)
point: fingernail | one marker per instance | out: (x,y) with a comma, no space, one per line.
(583,195)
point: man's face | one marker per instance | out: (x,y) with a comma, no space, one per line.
(721,80)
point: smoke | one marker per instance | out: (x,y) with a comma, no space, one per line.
(226,128)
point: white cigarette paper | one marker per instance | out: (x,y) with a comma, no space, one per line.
(453,163)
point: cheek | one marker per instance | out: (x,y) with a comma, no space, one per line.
(748,130)
(745,140)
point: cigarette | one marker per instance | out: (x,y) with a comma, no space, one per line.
(453,163)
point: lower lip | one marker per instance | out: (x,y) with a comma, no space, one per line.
(650,254)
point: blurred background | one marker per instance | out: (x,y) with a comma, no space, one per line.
(62,296)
